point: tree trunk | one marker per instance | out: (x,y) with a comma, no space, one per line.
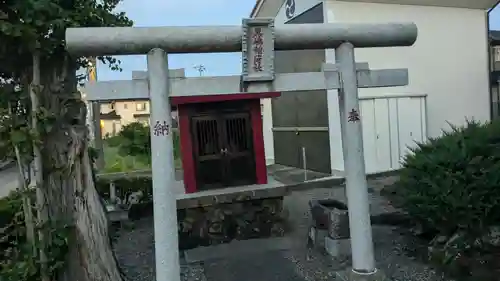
(69,181)
(41,202)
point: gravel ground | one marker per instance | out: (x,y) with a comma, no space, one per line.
(135,252)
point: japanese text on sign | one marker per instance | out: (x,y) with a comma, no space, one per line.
(161,129)
(353,116)
(258,48)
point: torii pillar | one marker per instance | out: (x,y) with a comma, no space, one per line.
(257,39)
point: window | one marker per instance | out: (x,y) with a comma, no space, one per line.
(125,106)
(140,106)
(496,53)
(111,106)
(115,127)
(113,131)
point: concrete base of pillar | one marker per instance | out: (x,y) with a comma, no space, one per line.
(338,248)
(350,275)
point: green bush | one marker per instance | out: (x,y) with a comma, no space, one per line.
(135,140)
(114,141)
(451,184)
(9,207)
(130,150)
(17,260)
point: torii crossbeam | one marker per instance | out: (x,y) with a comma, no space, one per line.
(257,39)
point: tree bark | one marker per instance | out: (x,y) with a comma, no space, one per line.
(42,215)
(69,180)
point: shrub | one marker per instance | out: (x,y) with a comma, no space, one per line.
(17,260)
(131,149)
(114,141)
(135,139)
(9,207)
(452,183)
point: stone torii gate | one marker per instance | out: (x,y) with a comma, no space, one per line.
(257,39)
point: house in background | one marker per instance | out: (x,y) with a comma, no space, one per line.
(117,114)
(448,81)
(495,72)
(120,113)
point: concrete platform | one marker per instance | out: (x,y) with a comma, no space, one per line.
(281,181)
(273,188)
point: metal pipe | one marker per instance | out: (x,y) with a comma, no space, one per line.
(217,39)
(112,192)
(304,162)
(363,260)
(164,197)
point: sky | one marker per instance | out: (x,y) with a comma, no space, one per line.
(194,12)
(183,13)
(495,19)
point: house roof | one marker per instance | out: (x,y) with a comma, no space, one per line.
(110,116)
(139,115)
(256,8)
(495,37)
(266,8)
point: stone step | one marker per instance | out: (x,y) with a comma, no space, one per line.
(237,248)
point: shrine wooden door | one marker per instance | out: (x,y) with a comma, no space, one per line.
(208,150)
(223,150)
(238,149)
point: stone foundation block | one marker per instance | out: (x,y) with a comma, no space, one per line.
(338,248)
(222,223)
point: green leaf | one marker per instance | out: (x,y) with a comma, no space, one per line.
(39,23)
(18,137)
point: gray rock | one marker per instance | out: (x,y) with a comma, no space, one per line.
(135,197)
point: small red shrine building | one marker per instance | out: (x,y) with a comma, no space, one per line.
(222,142)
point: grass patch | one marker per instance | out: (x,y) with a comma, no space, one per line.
(130,150)
(115,163)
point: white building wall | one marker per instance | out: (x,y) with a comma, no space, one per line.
(301,6)
(336,154)
(267,126)
(448,64)
(267,114)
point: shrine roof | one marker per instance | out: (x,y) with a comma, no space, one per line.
(176,100)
